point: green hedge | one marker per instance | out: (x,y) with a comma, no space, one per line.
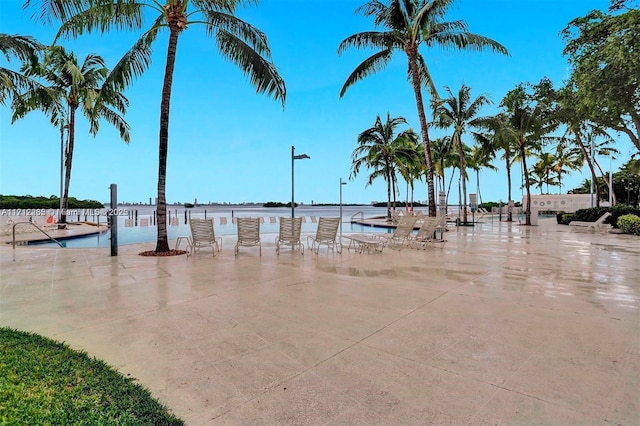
(593,214)
(629,224)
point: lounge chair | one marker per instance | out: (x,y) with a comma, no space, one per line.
(598,225)
(248,233)
(395,216)
(400,236)
(426,233)
(326,234)
(203,235)
(289,234)
(366,242)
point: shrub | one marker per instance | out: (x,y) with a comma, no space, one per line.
(565,218)
(593,214)
(629,224)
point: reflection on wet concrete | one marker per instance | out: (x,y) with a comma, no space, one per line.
(505,324)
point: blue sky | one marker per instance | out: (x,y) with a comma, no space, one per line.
(229,144)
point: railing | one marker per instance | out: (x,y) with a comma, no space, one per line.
(13,230)
(361,213)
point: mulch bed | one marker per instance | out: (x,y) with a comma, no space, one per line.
(163,253)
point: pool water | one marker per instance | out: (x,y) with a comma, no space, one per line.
(130,231)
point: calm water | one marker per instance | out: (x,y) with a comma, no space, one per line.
(130,233)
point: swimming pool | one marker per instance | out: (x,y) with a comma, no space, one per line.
(142,229)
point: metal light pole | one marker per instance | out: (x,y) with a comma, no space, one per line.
(341,183)
(293,158)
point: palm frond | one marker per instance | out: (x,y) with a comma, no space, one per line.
(369,39)
(48,11)
(216,20)
(135,62)
(41,98)
(425,77)
(262,74)
(373,8)
(468,41)
(371,65)
(113,118)
(102,15)
(22,47)
(228,6)
(12,83)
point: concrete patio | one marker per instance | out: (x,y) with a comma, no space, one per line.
(506,324)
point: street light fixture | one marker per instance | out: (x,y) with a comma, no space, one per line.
(341,183)
(293,158)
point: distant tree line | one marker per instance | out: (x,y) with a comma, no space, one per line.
(40,202)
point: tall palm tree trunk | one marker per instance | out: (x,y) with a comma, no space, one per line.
(412,52)
(594,177)
(67,162)
(527,184)
(395,192)
(162,244)
(463,178)
(508,166)
(388,196)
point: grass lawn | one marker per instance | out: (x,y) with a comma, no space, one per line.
(43,382)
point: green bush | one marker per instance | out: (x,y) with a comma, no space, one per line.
(593,214)
(629,224)
(43,382)
(565,218)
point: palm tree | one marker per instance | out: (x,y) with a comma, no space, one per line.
(237,40)
(382,151)
(414,168)
(24,48)
(460,113)
(527,124)
(565,160)
(70,86)
(407,24)
(480,158)
(443,158)
(541,171)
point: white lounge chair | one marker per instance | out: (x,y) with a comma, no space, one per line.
(202,235)
(248,233)
(400,236)
(426,233)
(366,242)
(326,234)
(289,234)
(598,225)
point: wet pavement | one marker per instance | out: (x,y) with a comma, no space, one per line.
(506,324)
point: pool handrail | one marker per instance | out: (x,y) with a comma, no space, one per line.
(13,230)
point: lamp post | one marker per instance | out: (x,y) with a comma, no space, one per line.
(293,159)
(341,183)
